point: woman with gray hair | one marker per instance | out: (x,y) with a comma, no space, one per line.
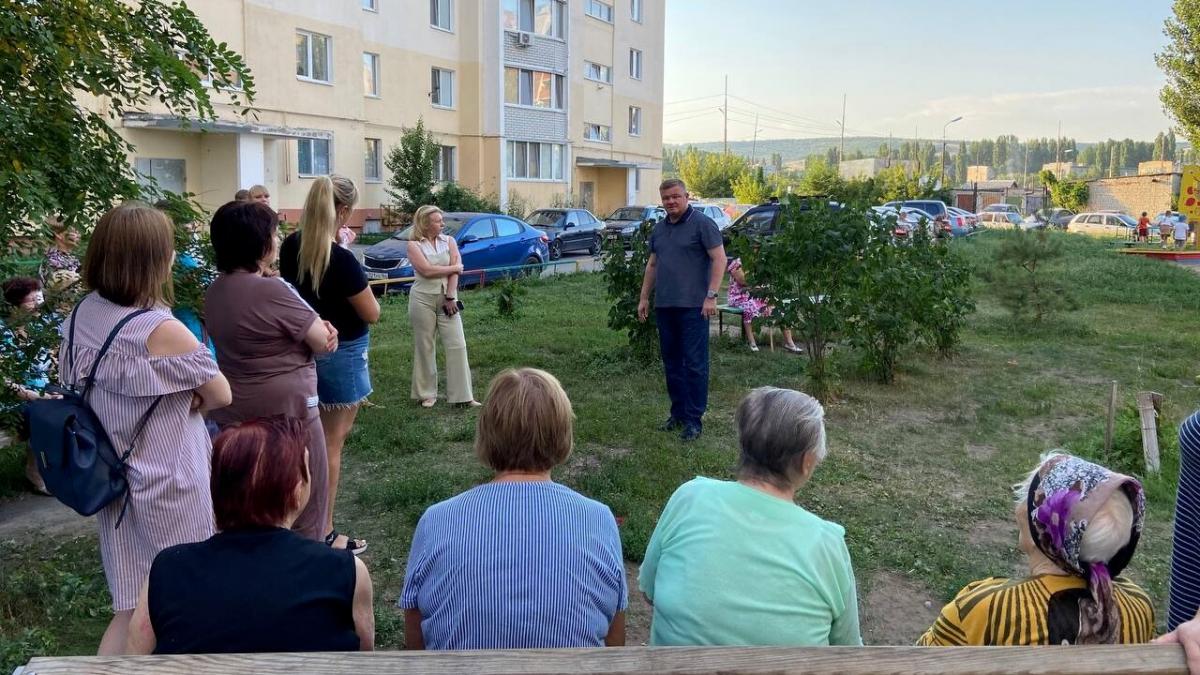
(739,562)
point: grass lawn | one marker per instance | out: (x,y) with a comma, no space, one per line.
(918,472)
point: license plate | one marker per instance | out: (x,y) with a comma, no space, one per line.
(613,237)
(377,275)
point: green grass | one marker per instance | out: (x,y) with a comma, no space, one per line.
(918,472)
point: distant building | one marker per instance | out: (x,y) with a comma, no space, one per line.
(1155,167)
(975,196)
(1065,169)
(976,174)
(1151,193)
(852,169)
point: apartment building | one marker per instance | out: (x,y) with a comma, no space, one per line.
(553,101)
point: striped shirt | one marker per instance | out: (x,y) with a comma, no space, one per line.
(1041,610)
(1185,557)
(515,565)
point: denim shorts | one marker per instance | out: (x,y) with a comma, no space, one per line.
(343,379)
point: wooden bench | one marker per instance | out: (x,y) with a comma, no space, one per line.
(1101,660)
(722,310)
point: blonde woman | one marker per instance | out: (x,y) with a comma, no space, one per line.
(330,279)
(260,194)
(433,309)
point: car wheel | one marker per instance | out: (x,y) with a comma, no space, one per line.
(555,250)
(595,247)
(528,271)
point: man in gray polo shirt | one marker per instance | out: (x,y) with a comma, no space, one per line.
(687,261)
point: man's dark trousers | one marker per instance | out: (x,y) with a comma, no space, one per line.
(683,341)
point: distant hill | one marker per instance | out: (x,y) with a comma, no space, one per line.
(798,148)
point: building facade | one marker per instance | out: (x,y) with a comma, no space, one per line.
(546,101)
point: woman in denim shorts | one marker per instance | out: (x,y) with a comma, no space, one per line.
(330,279)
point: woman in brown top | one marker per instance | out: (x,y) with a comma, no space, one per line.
(265,336)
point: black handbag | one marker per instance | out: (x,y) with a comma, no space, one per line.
(74,454)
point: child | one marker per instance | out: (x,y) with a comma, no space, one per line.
(1143,229)
(1181,232)
(752,307)
(1164,228)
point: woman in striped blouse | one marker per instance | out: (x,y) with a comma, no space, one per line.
(1079,525)
(521,561)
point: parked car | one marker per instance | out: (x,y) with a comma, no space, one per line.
(1107,225)
(568,230)
(935,208)
(624,222)
(717,213)
(971,219)
(1000,219)
(1001,208)
(489,243)
(762,220)
(1055,217)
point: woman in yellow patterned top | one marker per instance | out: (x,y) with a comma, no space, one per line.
(1079,525)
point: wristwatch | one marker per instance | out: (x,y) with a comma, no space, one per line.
(711,295)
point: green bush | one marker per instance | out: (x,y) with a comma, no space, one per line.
(507,296)
(623,276)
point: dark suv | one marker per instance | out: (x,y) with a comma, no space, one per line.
(762,220)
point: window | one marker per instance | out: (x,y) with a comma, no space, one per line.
(371,160)
(1095,220)
(168,174)
(370,5)
(313,156)
(539,161)
(635,121)
(635,64)
(635,10)
(507,228)
(440,14)
(597,132)
(442,93)
(481,229)
(444,168)
(534,88)
(600,10)
(370,74)
(544,17)
(312,56)
(597,72)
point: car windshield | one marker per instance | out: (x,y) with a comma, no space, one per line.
(1129,221)
(544,218)
(627,213)
(450,226)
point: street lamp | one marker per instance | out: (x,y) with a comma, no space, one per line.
(842,151)
(944,127)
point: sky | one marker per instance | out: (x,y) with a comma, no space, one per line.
(909,66)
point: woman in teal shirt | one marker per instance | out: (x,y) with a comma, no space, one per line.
(738,562)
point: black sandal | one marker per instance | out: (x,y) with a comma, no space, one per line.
(355,546)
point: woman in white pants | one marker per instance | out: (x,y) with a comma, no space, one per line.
(433,309)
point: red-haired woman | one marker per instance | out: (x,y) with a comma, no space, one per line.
(256,586)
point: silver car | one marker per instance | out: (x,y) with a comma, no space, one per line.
(715,212)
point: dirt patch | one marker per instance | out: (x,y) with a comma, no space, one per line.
(999,534)
(896,611)
(637,617)
(1055,431)
(588,458)
(29,518)
(981,452)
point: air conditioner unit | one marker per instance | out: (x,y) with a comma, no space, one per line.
(524,39)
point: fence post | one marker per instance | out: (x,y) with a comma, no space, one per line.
(1149,403)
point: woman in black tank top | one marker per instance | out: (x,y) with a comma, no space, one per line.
(256,586)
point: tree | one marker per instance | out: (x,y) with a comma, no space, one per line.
(749,188)
(710,174)
(820,178)
(1180,62)
(1068,194)
(412,162)
(62,158)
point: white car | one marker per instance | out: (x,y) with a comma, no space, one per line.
(1000,219)
(1107,225)
(716,212)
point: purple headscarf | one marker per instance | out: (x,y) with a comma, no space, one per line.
(1064,495)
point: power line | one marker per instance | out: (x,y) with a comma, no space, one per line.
(689,100)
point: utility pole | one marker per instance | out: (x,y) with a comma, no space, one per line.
(1025,167)
(725,111)
(889,153)
(842,152)
(1058,146)
(754,143)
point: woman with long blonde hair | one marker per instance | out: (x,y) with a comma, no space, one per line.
(433,308)
(330,279)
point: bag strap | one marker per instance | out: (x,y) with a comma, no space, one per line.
(71,347)
(137,432)
(91,378)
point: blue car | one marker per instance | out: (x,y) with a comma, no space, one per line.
(488,242)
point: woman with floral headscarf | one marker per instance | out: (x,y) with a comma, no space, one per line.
(1079,525)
